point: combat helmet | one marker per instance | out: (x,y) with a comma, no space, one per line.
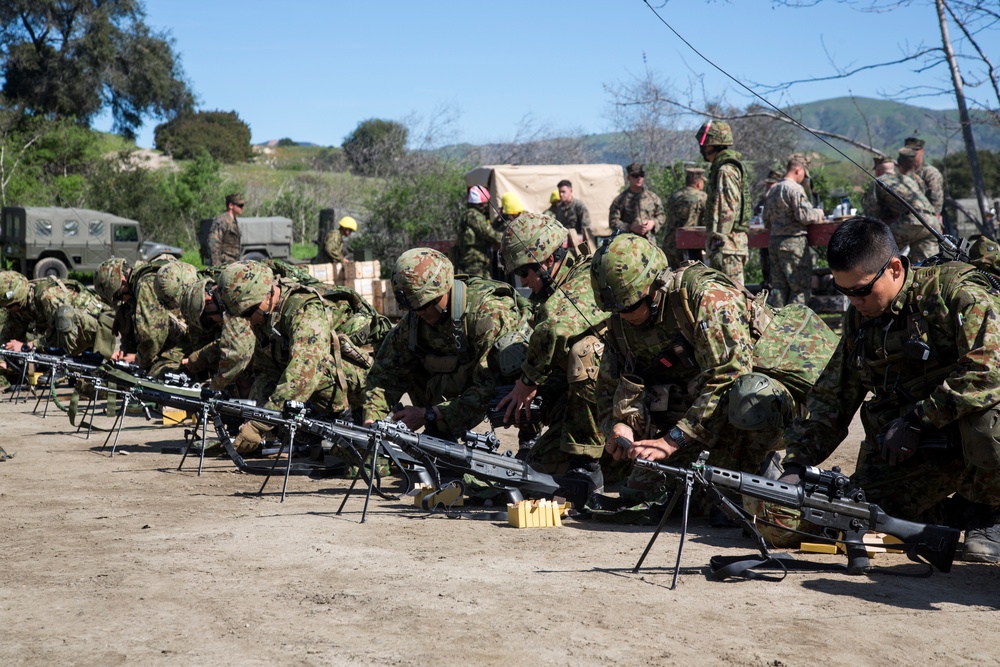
(419,276)
(13,288)
(347,222)
(170,281)
(757,401)
(623,271)
(192,301)
(108,279)
(715,133)
(530,239)
(243,285)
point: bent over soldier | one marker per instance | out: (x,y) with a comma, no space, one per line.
(920,357)
(564,350)
(460,338)
(694,362)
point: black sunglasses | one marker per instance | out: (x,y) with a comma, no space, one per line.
(522,271)
(864,290)
(641,174)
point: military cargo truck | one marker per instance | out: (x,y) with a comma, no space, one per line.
(50,241)
(260,238)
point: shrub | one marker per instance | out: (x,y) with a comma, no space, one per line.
(221,133)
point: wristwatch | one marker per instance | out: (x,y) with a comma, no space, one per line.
(677,436)
(430,416)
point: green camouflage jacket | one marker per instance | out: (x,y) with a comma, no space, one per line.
(787,210)
(224,240)
(629,207)
(878,204)
(573,215)
(948,308)
(476,238)
(35,321)
(932,184)
(727,213)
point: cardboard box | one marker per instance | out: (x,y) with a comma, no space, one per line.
(326,273)
(358,270)
(173,416)
(362,287)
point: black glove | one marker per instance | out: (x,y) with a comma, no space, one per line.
(792,474)
(899,440)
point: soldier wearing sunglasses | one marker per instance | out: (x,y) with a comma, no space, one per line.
(920,356)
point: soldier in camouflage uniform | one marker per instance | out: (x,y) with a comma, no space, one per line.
(572,213)
(906,227)
(695,362)
(152,335)
(458,341)
(307,342)
(224,234)
(476,236)
(788,213)
(222,346)
(637,209)
(727,213)
(684,209)
(931,180)
(334,244)
(920,355)
(50,312)
(564,350)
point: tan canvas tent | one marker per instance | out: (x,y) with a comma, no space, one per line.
(596,185)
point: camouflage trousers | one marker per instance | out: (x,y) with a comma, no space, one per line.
(731,265)
(921,242)
(791,261)
(921,250)
(572,429)
(669,246)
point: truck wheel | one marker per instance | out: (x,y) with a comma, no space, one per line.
(51,266)
(254,257)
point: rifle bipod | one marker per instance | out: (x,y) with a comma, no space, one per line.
(204,440)
(372,477)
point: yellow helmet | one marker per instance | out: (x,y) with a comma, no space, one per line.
(554,197)
(511,203)
(347,222)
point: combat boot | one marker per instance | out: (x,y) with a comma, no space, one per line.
(982,534)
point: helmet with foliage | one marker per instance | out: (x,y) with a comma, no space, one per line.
(715,133)
(757,401)
(108,279)
(530,239)
(170,281)
(243,285)
(623,270)
(13,288)
(419,276)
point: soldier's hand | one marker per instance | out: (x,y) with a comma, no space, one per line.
(899,440)
(611,446)
(250,436)
(518,401)
(653,450)
(793,474)
(411,415)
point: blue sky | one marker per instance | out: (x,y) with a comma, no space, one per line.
(312,70)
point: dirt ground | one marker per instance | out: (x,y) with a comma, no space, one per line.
(107,561)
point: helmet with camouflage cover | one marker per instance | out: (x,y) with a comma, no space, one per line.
(530,239)
(13,288)
(757,401)
(623,271)
(108,279)
(243,285)
(419,276)
(170,281)
(715,133)
(192,302)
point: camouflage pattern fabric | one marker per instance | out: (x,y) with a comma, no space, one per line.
(224,240)
(932,183)
(791,263)
(154,333)
(573,215)
(334,245)
(788,213)
(906,228)
(463,392)
(726,217)
(561,320)
(37,320)
(684,209)
(630,207)
(951,309)
(221,351)
(476,238)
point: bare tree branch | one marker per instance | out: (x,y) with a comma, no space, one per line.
(991,72)
(846,73)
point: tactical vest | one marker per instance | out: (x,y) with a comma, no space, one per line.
(729,156)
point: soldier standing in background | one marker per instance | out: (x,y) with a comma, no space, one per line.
(637,209)
(684,209)
(906,228)
(788,213)
(727,211)
(224,235)
(476,236)
(572,213)
(335,243)
(773,177)
(931,180)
